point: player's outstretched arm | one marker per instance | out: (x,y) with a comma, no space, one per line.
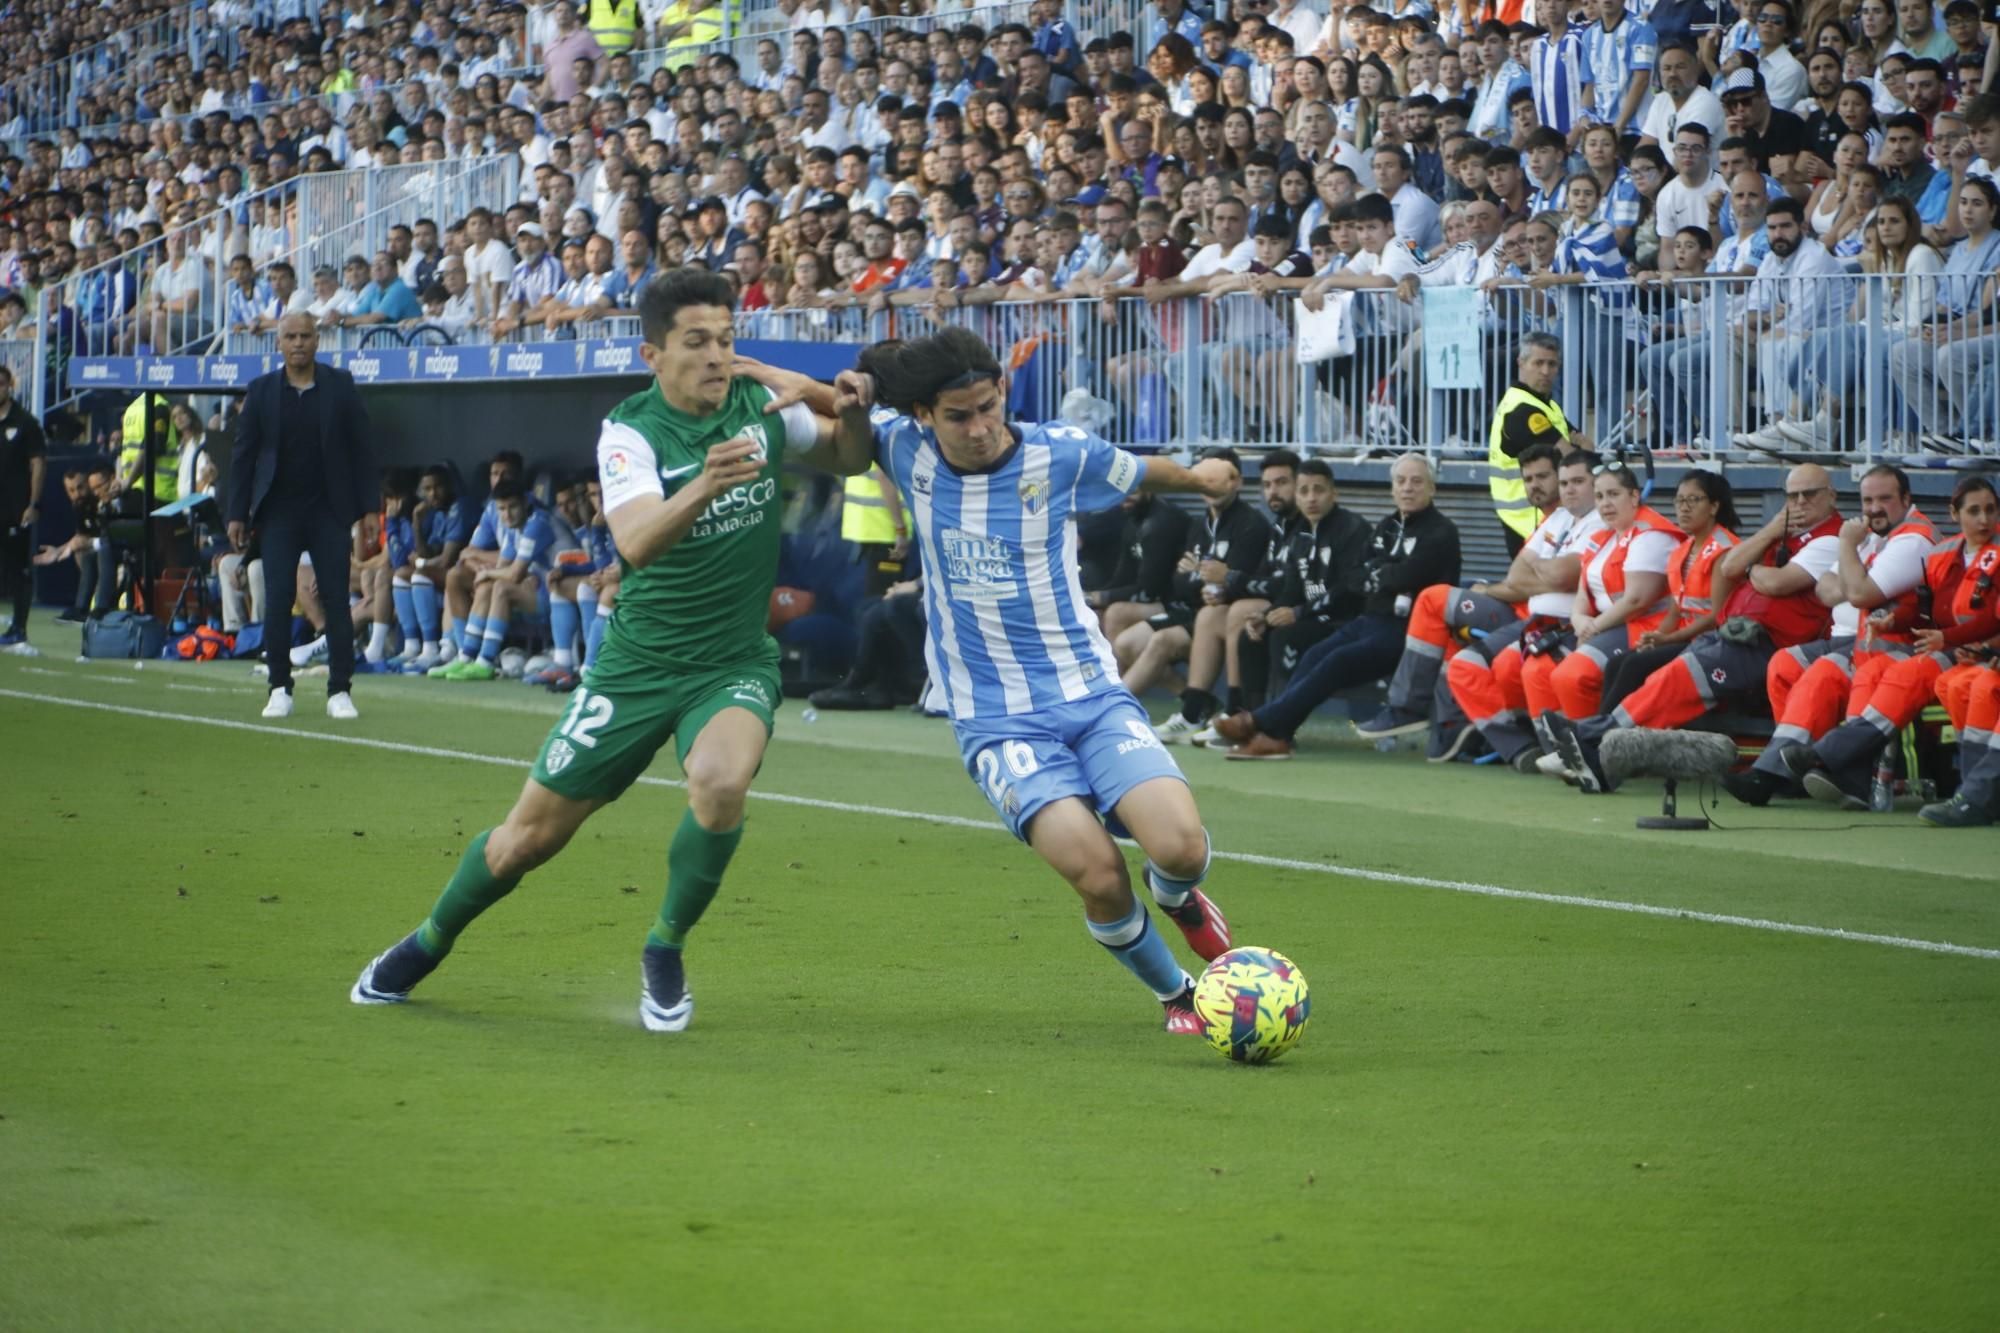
(645,527)
(844,447)
(1212,477)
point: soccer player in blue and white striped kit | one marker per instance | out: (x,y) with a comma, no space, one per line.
(1056,743)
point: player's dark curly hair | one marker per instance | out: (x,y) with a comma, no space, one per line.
(664,297)
(907,374)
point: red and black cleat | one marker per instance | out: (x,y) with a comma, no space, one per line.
(1201,921)
(1182,1020)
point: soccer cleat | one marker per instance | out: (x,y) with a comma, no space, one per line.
(472,668)
(1955,813)
(1182,1020)
(444,668)
(561,681)
(1176,729)
(422,664)
(665,1003)
(1389,722)
(1203,925)
(279,704)
(341,707)
(389,978)
(1260,746)
(1843,790)
(1206,737)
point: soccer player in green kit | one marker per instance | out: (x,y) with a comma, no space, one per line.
(689,468)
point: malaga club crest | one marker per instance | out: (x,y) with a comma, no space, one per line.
(1034,496)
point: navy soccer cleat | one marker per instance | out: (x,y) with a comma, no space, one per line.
(389,979)
(665,1003)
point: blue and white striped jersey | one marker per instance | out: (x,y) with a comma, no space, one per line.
(1614,56)
(1558,68)
(1008,629)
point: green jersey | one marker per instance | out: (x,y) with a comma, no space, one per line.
(702,605)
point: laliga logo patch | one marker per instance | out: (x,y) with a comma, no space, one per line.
(616,466)
(559,756)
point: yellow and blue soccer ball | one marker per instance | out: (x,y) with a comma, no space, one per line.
(1253,1004)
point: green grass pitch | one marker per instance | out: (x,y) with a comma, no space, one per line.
(916,1096)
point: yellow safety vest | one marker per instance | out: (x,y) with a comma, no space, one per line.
(615,24)
(166,450)
(704,20)
(864,518)
(1510,495)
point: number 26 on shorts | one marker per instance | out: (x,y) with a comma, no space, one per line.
(996,762)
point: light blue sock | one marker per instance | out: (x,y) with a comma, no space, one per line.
(401,594)
(593,635)
(1135,943)
(563,625)
(430,609)
(490,641)
(1171,893)
(470,631)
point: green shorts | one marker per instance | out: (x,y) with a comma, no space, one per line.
(605,738)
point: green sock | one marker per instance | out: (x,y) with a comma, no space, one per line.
(695,861)
(471,891)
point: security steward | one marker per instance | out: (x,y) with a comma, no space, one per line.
(1527,414)
(615,24)
(871,517)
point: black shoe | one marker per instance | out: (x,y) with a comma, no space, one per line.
(73,616)
(855,698)
(1798,759)
(1849,791)
(1579,755)
(389,978)
(1750,786)
(665,1005)
(1525,761)
(1391,722)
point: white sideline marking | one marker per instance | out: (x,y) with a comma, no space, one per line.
(987,826)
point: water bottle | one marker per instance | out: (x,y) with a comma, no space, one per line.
(1882,794)
(810,714)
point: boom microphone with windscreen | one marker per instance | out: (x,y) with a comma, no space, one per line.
(1676,756)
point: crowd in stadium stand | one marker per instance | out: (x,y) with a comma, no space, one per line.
(1273,151)
(1259,153)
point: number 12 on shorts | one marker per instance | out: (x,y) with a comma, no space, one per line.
(995,762)
(587,715)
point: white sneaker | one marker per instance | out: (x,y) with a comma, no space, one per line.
(340,706)
(279,704)
(1812,434)
(421,663)
(1766,439)
(1206,737)
(447,651)
(1175,729)
(1552,766)
(309,652)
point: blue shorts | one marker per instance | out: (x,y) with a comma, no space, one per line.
(1098,749)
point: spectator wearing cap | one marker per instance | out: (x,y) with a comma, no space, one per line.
(1777,139)
(537,276)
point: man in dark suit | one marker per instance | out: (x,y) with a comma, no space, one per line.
(302,473)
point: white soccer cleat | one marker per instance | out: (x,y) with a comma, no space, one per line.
(279,704)
(1206,737)
(341,707)
(1175,729)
